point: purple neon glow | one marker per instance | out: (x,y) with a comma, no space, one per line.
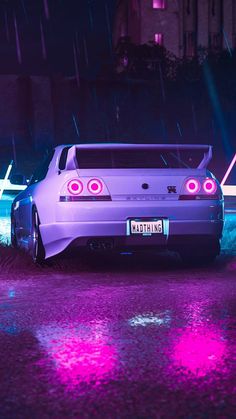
(75,187)
(46,9)
(199,350)
(233,162)
(158,4)
(95,186)
(125,61)
(193,186)
(210,186)
(159,38)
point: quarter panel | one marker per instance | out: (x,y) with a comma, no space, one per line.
(47,194)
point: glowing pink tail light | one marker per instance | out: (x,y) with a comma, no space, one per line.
(75,187)
(193,186)
(210,186)
(95,186)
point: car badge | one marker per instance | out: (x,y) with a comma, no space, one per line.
(171,189)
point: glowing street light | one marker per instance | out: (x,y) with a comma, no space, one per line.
(228,171)
(229,190)
(2,187)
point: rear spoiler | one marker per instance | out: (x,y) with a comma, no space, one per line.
(71,163)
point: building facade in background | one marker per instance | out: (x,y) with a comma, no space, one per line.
(26,111)
(181,26)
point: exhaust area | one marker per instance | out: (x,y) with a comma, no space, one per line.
(100,245)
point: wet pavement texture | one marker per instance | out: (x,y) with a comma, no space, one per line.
(133,337)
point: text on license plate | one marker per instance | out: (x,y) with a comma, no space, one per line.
(146,227)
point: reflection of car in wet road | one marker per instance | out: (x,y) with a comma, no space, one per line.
(121,196)
(117,340)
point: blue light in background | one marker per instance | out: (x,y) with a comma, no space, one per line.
(11,293)
(228,243)
(5,222)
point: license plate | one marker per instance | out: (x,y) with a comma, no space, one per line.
(146,227)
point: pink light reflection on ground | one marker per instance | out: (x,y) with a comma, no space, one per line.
(199,350)
(79,358)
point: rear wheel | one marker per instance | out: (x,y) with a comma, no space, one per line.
(205,255)
(37,249)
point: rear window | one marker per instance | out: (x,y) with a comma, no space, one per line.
(137,159)
(63,158)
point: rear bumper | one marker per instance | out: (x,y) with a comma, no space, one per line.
(120,211)
(58,236)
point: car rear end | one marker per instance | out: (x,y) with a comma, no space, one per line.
(136,197)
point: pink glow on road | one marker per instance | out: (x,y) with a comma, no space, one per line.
(79,357)
(199,350)
(79,360)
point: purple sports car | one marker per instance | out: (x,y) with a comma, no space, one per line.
(119,197)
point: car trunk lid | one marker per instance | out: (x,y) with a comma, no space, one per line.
(141,185)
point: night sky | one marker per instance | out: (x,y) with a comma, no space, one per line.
(43,36)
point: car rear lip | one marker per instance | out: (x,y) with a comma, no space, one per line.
(58,236)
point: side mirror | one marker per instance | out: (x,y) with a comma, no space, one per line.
(18,179)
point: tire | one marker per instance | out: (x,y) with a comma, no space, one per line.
(13,232)
(203,256)
(37,249)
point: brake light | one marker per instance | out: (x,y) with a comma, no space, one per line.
(195,190)
(95,186)
(210,186)
(193,186)
(84,190)
(75,187)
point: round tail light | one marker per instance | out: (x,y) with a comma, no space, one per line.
(193,186)
(210,186)
(95,186)
(75,187)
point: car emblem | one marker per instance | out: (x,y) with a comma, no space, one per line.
(171,189)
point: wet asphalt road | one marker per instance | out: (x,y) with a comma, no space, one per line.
(121,339)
